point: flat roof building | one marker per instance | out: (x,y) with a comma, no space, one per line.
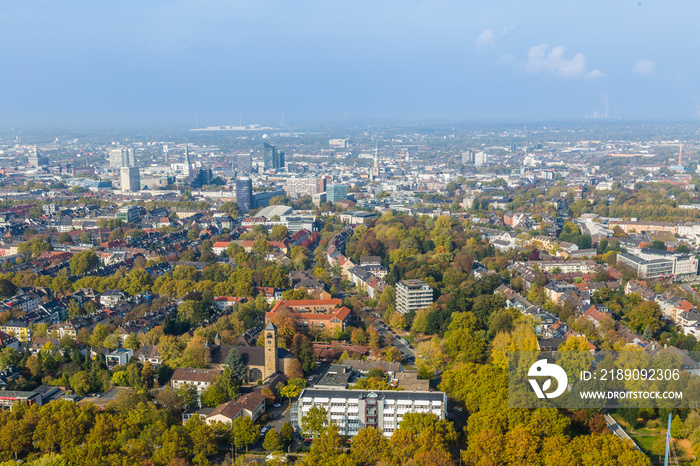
(412,295)
(352,410)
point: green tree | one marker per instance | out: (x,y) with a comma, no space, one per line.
(85,238)
(244,432)
(273,442)
(234,361)
(643,315)
(464,342)
(314,421)
(132,342)
(9,357)
(83,262)
(214,396)
(7,288)
(64,238)
(287,433)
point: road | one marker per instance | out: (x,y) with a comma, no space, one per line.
(390,336)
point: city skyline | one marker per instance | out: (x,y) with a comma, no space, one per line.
(186,64)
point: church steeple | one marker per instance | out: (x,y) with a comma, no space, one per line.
(374,174)
(188,162)
(271,361)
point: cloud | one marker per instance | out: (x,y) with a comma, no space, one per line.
(643,67)
(489,36)
(543,59)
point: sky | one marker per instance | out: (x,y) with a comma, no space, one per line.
(209,62)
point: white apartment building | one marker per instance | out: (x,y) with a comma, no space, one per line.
(412,295)
(352,410)
(299,187)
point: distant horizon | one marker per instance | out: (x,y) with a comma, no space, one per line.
(458,124)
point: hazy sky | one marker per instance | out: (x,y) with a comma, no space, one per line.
(128,62)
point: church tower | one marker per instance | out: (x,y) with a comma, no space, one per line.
(271,363)
(188,162)
(374,174)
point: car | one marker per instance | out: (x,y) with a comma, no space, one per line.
(459,408)
(276,405)
(310,379)
(264,430)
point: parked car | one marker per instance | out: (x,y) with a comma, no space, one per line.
(276,405)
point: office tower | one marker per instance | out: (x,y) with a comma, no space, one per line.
(271,158)
(412,295)
(131,180)
(336,192)
(245,163)
(201,177)
(244,194)
(121,157)
(467,157)
(481,158)
(36,160)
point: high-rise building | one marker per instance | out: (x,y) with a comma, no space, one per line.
(200,177)
(37,160)
(412,295)
(244,194)
(467,157)
(131,179)
(481,158)
(298,187)
(271,158)
(336,192)
(244,163)
(121,157)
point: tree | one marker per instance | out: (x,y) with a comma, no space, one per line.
(278,233)
(214,395)
(244,432)
(132,342)
(314,421)
(147,374)
(85,238)
(273,442)
(9,357)
(643,315)
(83,262)
(7,288)
(287,433)
(116,235)
(64,238)
(463,340)
(235,362)
(327,449)
(369,446)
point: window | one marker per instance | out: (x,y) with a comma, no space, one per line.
(254,375)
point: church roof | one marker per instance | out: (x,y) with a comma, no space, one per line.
(270,326)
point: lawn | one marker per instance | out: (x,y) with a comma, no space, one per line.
(651,438)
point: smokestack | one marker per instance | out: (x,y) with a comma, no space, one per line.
(680,156)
